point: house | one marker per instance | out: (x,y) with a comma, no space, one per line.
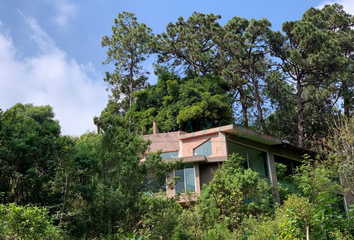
(202,151)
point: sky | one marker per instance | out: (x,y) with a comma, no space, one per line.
(50,50)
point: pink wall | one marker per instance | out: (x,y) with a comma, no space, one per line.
(218,144)
(168,142)
(185,144)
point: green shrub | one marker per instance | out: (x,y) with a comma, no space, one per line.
(17,222)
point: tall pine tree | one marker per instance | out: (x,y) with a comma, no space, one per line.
(128,48)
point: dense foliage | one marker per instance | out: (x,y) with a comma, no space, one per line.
(191,103)
(296,84)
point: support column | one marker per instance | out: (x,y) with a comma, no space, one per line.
(197,178)
(273,176)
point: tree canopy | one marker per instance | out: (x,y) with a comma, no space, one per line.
(296,84)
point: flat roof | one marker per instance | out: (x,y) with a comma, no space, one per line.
(240,132)
(234,130)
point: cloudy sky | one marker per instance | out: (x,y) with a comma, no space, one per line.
(50,50)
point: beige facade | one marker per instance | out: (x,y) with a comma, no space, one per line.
(201,153)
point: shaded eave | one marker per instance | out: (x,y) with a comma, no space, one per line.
(246,133)
(298,150)
(234,129)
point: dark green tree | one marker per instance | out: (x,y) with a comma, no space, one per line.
(332,18)
(308,59)
(75,183)
(191,44)
(245,63)
(29,154)
(282,122)
(189,104)
(122,178)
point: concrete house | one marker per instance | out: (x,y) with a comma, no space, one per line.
(202,151)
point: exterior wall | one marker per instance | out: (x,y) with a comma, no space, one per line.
(197,177)
(349,200)
(217,144)
(207,172)
(168,142)
(204,172)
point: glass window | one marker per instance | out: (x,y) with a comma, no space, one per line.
(287,163)
(241,150)
(340,204)
(296,164)
(285,176)
(186,179)
(204,149)
(291,166)
(255,159)
(258,161)
(180,182)
(190,178)
(168,155)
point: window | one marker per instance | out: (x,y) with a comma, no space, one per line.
(186,179)
(285,175)
(254,159)
(340,204)
(168,155)
(291,166)
(258,161)
(204,149)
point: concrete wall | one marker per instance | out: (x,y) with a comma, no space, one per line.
(217,144)
(207,171)
(349,200)
(168,142)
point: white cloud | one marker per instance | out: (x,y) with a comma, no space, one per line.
(347,4)
(51,77)
(64,11)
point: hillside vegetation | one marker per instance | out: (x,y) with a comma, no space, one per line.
(297,84)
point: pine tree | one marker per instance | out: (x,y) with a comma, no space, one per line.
(308,59)
(128,48)
(333,19)
(245,62)
(191,44)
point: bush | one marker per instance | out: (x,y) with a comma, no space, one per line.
(17,222)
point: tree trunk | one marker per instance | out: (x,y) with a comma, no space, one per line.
(300,105)
(346,100)
(259,108)
(65,191)
(307,232)
(131,93)
(130,102)
(346,107)
(244,109)
(131,75)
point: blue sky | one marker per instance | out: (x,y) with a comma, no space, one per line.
(50,50)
